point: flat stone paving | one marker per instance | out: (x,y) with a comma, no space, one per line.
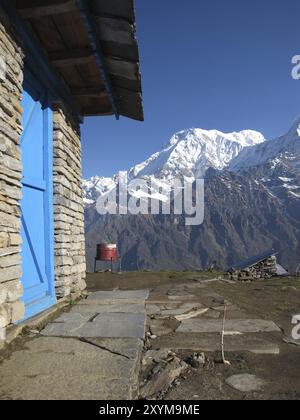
(107,325)
(89,353)
(135,308)
(232,325)
(117,297)
(208,342)
(94,351)
(203,332)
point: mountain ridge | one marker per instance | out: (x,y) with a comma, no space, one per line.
(189,153)
(251,205)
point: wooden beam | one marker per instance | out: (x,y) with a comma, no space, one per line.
(89,92)
(71,57)
(38,62)
(92,32)
(34,9)
(94,112)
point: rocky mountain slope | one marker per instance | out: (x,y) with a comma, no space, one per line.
(252,203)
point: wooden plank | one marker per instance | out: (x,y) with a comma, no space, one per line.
(131,105)
(123,9)
(89,92)
(134,85)
(34,9)
(89,74)
(114,30)
(124,69)
(117,38)
(71,57)
(47,34)
(92,31)
(72,30)
(93,111)
(72,77)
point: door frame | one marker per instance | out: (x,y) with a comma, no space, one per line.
(36,307)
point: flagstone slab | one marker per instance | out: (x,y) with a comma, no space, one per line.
(183,309)
(232,325)
(68,369)
(74,317)
(104,308)
(115,295)
(245,383)
(211,342)
(112,325)
(172,310)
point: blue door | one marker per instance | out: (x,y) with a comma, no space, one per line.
(37,201)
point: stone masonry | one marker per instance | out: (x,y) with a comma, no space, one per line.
(70,264)
(11,80)
(69,243)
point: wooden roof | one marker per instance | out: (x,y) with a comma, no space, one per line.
(92,45)
(250,262)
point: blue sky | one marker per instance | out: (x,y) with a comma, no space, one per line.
(205,63)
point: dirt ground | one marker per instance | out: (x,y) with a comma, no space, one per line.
(276,364)
(277,300)
(136,280)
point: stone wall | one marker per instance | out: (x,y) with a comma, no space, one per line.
(69,244)
(70,264)
(11,79)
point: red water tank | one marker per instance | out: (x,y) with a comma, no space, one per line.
(107,252)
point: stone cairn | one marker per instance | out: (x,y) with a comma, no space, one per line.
(262,270)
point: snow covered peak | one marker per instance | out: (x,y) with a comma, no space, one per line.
(295,127)
(287,146)
(96,186)
(189,153)
(245,138)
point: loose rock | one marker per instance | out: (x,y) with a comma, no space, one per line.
(245,383)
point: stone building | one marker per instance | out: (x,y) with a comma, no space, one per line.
(60,60)
(262,266)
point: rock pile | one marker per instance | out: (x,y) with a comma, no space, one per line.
(262,270)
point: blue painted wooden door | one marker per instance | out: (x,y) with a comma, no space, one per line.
(37,201)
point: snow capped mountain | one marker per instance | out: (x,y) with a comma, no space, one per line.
(190,153)
(284,147)
(252,197)
(96,186)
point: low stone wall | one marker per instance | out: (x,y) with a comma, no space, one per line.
(11,80)
(70,263)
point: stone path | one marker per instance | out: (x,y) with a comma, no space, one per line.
(196,324)
(92,352)
(233,326)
